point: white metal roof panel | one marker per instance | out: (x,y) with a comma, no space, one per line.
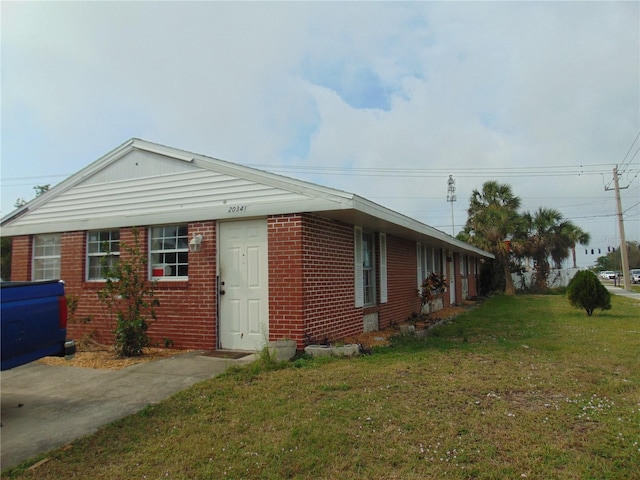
(142,183)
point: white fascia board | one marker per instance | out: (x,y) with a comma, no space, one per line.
(218,212)
(69,182)
(94,167)
(370,208)
(163,150)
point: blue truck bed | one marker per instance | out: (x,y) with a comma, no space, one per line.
(34,322)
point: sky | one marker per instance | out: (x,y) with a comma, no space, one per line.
(384,99)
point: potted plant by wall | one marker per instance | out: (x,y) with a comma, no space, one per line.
(282,350)
(432,289)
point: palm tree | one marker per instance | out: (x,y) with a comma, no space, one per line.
(576,235)
(550,237)
(493,220)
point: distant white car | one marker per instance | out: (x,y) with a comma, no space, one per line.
(635,275)
(608,275)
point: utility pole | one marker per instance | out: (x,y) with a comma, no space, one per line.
(623,243)
(451,197)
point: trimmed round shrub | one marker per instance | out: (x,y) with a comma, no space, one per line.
(586,291)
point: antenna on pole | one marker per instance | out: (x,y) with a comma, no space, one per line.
(451,197)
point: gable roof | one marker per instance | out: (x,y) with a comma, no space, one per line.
(143,183)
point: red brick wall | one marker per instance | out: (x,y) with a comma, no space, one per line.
(72,254)
(21,259)
(187,310)
(473,278)
(311,279)
(311,284)
(89,318)
(329,285)
(403,299)
(286,306)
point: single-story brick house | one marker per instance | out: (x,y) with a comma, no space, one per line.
(240,256)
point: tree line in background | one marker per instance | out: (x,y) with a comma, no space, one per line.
(5,242)
(613,259)
(495,224)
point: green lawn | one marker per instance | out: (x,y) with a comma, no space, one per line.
(520,387)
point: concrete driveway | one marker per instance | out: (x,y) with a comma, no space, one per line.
(45,407)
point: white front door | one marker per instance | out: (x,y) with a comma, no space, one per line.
(452,279)
(464,273)
(244,285)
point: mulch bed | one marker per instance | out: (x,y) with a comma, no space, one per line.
(380,338)
(93,356)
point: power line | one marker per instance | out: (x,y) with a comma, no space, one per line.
(622,169)
(466,172)
(634,177)
(36,177)
(632,206)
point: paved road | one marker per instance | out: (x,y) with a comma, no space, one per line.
(45,407)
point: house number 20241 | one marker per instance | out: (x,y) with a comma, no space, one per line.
(238,208)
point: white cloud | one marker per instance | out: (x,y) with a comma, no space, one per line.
(379,85)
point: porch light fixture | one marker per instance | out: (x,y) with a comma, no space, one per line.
(195,244)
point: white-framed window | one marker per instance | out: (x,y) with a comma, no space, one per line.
(464,265)
(437,262)
(425,262)
(384,296)
(368,269)
(169,252)
(428,261)
(101,245)
(365,271)
(46,256)
(420,266)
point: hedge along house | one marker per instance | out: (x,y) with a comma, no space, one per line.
(239,256)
